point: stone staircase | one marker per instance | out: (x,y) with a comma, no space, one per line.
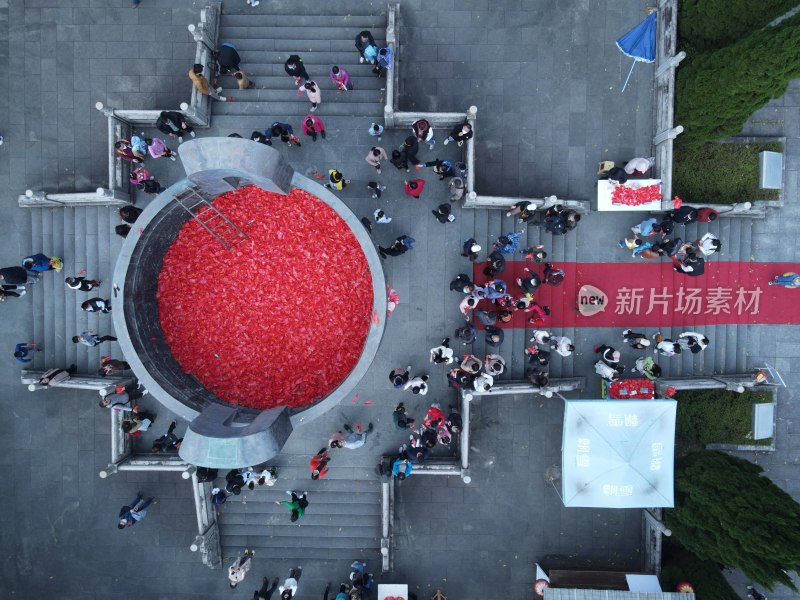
(342,522)
(727,352)
(488,226)
(84,237)
(265,41)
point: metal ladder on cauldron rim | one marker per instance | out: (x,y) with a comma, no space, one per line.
(210,218)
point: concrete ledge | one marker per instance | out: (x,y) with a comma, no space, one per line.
(525,387)
(103,385)
(100,197)
(473,200)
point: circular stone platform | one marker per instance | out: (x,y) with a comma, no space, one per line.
(332,288)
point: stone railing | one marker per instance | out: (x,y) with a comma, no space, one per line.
(652,531)
(207,540)
(122,123)
(664,96)
(102,385)
(525,387)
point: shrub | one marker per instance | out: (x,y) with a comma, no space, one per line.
(717,416)
(720,173)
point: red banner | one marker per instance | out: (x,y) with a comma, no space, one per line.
(650,294)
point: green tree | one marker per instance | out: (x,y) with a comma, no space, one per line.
(717,92)
(678,566)
(726,512)
(710,24)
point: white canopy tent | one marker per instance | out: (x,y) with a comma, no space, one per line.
(618,453)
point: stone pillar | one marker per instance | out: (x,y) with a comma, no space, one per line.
(659,526)
(671,63)
(667,134)
(388,117)
(193,116)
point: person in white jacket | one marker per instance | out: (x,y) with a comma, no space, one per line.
(540,336)
(562,345)
(708,244)
(494,365)
(289,587)
(693,341)
(442,354)
(483,382)
(418,385)
(240,567)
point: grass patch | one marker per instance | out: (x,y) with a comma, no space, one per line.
(720,173)
(716,417)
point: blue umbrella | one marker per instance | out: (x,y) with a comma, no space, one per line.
(640,43)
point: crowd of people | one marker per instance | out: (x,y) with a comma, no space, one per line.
(608,364)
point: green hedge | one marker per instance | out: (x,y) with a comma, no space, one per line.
(718,90)
(717,417)
(679,565)
(711,24)
(720,173)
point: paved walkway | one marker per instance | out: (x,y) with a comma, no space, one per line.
(546,82)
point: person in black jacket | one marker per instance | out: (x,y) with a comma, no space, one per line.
(685,215)
(443,168)
(460,134)
(409,151)
(363,41)
(96,305)
(494,335)
(294,66)
(173,124)
(496,264)
(228,59)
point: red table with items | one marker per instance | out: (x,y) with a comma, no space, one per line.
(629,389)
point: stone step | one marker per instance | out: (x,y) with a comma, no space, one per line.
(268,77)
(297,40)
(375,97)
(276,110)
(246,123)
(318,72)
(362,505)
(234,16)
(315,62)
(354,525)
(300,549)
(76,235)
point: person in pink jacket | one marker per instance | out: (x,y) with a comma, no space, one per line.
(341,78)
(312,126)
(158,149)
(314,93)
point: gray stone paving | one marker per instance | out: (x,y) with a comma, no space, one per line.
(546,81)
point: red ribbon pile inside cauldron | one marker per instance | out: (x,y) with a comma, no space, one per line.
(282,317)
(622,194)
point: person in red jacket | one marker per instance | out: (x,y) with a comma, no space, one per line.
(434,417)
(312,126)
(414,187)
(319,464)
